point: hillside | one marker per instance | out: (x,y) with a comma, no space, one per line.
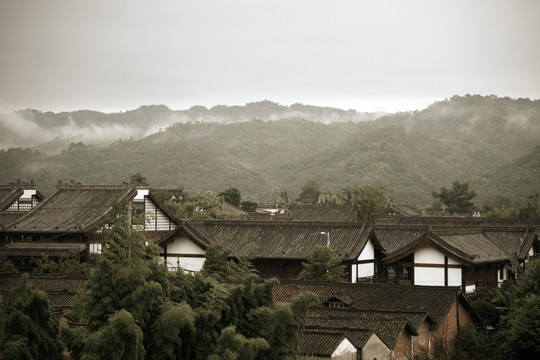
(491,142)
(51,132)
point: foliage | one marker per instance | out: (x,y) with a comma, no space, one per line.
(279,198)
(232,196)
(6,266)
(249,206)
(138,179)
(64,265)
(323,265)
(120,339)
(457,199)
(233,346)
(73,340)
(531,210)
(309,193)
(368,200)
(31,329)
(207,203)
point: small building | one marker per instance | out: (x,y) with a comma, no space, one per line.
(16,200)
(71,221)
(408,319)
(279,248)
(342,344)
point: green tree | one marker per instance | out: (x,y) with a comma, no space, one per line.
(524,328)
(234,346)
(138,179)
(249,206)
(64,265)
(6,266)
(31,330)
(323,265)
(120,339)
(208,203)
(232,196)
(457,199)
(279,198)
(309,193)
(531,210)
(368,201)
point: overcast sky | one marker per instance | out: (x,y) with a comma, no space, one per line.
(58,55)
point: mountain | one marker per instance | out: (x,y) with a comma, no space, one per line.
(489,141)
(51,132)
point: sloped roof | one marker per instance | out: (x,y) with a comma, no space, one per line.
(327,213)
(402,210)
(8,194)
(37,249)
(60,289)
(319,342)
(435,301)
(7,217)
(72,209)
(387,326)
(484,240)
(280,240)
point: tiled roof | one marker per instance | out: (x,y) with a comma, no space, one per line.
(282,240)
(483,240)
(435,301)
(403,210)
(8,195)
(319,342)
(324,213)
(388,326)
(7,217)
(60,289)
(37,249)
(72,209)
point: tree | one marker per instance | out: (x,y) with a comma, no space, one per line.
(279,198)
(208,203)
(138,179)
(531,211)
(232,196)
(64,265)
(323,265)
(368,201)
(249,206)
(457,199)
(31,330)
(233,346)
(120,339)
(309,193)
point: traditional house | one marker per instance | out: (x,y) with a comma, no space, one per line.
(71,221)
(408,319)
(401,210)
(342,344)
(279,248)
(464,252)
(16,200)
(323,213)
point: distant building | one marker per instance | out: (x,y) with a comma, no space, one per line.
(16,200)
(71,221)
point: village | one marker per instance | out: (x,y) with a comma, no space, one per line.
(408,275)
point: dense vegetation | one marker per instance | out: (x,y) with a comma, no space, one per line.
(489,142)
(135,309)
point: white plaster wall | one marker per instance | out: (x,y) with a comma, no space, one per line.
(428,276)
(365,270)
(428,255)
(27,194)
(454,276)
(186,263)
(376,349)
(183,245)
(368,252)
(141,193)
(345,351)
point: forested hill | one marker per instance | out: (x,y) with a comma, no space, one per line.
(491,142)
(51,132)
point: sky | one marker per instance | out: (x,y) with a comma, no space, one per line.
(109,55)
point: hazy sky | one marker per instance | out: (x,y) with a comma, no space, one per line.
(366,55)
